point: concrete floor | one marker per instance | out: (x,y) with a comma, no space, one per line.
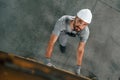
(26,25)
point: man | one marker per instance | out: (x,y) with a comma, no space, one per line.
(70,26)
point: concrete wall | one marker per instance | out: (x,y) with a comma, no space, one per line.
(26,25)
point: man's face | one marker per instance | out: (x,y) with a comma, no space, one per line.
(79,24)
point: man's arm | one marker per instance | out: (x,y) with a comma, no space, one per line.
(50,46)
(80,52)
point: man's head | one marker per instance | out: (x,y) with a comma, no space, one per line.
(85,15)
(82,19)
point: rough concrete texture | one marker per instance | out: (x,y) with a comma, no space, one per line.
(26,25)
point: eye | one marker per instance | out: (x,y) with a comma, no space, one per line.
(85,24)
(80,21)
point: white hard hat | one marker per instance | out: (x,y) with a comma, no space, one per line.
(85,15)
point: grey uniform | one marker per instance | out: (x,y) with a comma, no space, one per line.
(63,30)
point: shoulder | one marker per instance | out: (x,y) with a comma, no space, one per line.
(86,30)
(67,17)
(84,34)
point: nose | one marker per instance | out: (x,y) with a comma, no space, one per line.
(80,26)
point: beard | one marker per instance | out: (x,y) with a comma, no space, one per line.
(75,28)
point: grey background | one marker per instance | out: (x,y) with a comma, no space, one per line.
(26,25)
